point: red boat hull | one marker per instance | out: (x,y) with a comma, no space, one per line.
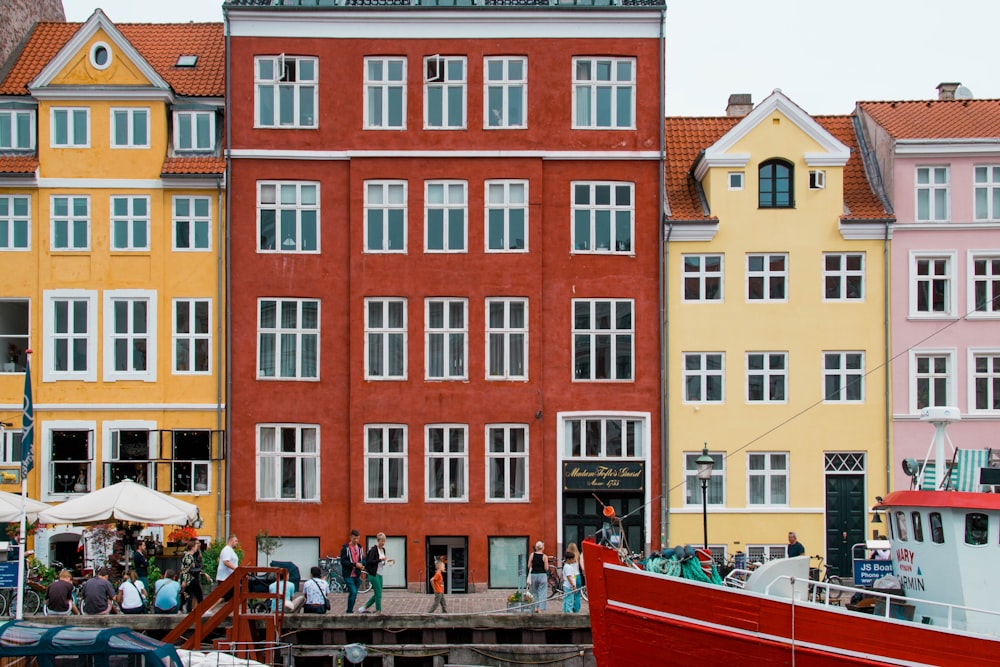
(639,618)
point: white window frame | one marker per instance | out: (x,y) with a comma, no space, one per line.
(191,338)
(766,373)
(71,220)
(702,374)
(990,280)
(948,276)
(111,453)
(585,92)
(8,436)
(439,79)
(512,462)
(47,465)
(735,180)
(932,189)
(384,86)
(916,377)
(21,139)
(765,275)
(101,47)
(509,88)
(453,199)
(299,332)
(134,223)
(130,337)
(769,474)
(384,457)
(193,221)
(278,206)
(989,377)
(844,375)
(590,212)
(595,331)
(694,267)
(576,427)
(445,457)
(504,197)
(276,82)
(51,336)
(383,198)
(382,335)
(11,221)
(716,484)
(193,118)
(843,274)
(275,458)
(72,141)
(504,336)
(444,336)
(987,184)
(129,115)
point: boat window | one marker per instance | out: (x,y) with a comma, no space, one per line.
(901,526)
(918,528)
(937,529)
(976,528)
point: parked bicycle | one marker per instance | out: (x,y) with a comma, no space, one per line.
(821,573)
(34,594)
(330,566)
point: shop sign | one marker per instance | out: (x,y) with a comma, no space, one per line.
(604,475)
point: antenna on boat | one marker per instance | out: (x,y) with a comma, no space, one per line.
(939,416)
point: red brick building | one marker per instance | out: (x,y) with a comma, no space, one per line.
(445,259)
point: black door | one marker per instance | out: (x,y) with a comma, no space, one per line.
(845,521)
(583,517)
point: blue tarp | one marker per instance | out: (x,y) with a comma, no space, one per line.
(47,642)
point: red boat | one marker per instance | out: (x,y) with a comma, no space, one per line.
(945,552)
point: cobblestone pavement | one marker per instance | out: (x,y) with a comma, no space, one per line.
(404,602)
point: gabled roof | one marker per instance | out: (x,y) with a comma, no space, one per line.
(160,44)
(937,119)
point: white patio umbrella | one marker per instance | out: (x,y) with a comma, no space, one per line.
(10,508)
(125,501)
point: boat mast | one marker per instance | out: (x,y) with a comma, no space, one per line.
(939,416)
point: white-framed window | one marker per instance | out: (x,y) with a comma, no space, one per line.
(130,335)
(447,462)
(10,446)
(984,284)
(603,339)
(385,93)
(817,179)
(194,131)
(69,127)
(715,489)
(507,216)
(130,128)
(288,462)
(843,276)
(192,333)
(70,335)
(445,213)
(932,285)
(15,222)
(70,218)
(444,92)
(385,339)
(506,339)
(735,180)
(286,89)
(385,216)
(987,179)
(385,462)
(447,333)
(704,377)
(767,377)
(190,461)
(192,219)
(931,379)
(505,93)
(130,223)
(15,332)
(844,377)
(603,93)
(17,130)
(68,458)
(601,437)
(288,339)
(702,277)
(129,452)
(932,191)
(288,216)
(767,478)
(767,277)
(985,381)
(101,55)
(603,217)
(506,462)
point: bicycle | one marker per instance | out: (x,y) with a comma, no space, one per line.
(555,580)
(330,566)
(34,593)
(821,573)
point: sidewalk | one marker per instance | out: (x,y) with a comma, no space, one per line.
(492,601)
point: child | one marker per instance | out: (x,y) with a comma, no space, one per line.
(437,583)
(571,589)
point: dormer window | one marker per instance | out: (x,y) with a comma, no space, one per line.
(17,130)
(194,130)
(775,178)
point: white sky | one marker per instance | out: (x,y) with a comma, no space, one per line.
(824,55)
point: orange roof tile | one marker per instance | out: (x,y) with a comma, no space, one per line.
(193,165)
(937,119)
(159,43)
(18,164)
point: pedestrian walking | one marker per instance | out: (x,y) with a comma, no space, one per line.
(571,583)
(352,567)
(538,576)
(375,563)
(437,583)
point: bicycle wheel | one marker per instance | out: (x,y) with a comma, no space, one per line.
(834,593)
(583,593)
(3,602)
(555,586)
(32,603)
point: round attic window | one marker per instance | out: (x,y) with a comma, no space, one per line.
(100,55)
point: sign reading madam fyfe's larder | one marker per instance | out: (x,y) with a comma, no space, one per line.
(598,475)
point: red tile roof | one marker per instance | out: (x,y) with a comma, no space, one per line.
(937,119)
(159,43)
(18,164)
(183,166)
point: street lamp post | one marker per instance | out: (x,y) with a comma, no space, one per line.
(705,463)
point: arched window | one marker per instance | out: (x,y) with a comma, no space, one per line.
(775,179)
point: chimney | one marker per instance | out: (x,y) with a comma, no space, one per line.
(946,91)
(740,104)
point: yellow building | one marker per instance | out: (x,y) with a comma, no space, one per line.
(113,246)
(776,344)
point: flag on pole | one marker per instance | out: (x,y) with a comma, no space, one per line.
(27,426)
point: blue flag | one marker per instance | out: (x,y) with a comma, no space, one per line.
(27,426)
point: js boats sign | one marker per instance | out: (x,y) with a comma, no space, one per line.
(603,475)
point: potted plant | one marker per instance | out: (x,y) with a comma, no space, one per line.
(520,601)
(181,536)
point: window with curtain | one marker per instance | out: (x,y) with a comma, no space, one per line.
(603,93)
(716,488)
(385,339)
(767,478)
(603,339)
(288,217)
(288,339)
(604,437)
(287,462)
(447,335)
(507,462)
(775,183)
(447,462)
(507,339)
(385,462)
